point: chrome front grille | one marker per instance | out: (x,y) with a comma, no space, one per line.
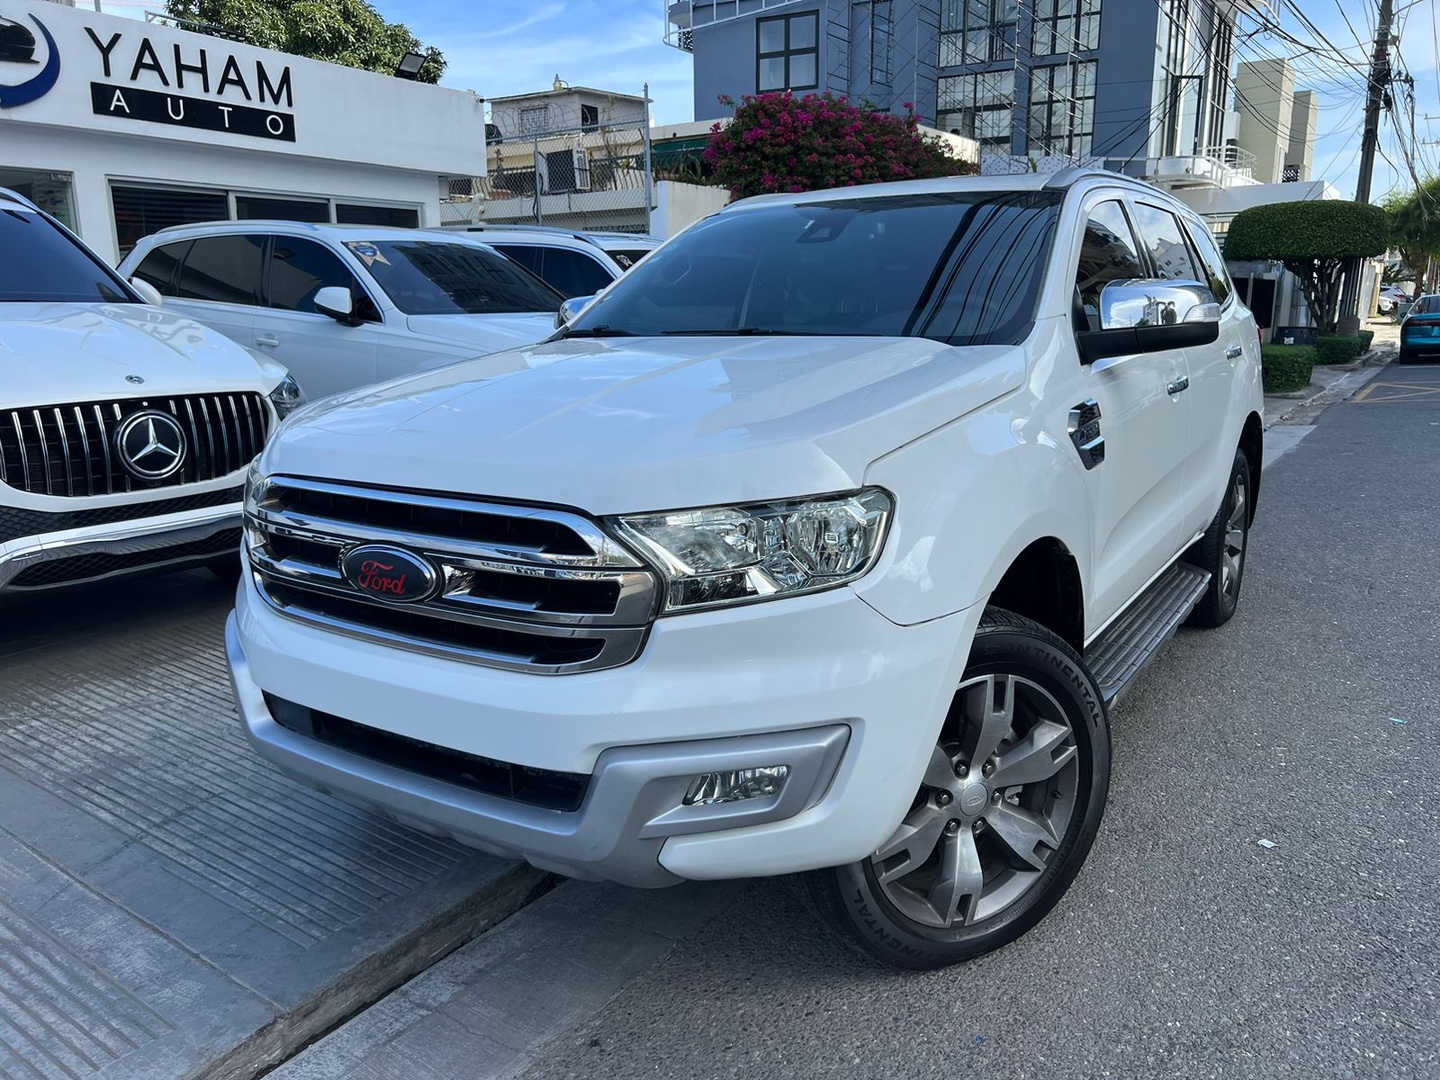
(71,450)
(521,588)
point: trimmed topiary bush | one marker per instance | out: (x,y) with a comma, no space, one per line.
(1333,349)
(1286,368)
(1367,337)
(1313,240)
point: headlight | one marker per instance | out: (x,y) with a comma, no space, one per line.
(287,397)
(737,554)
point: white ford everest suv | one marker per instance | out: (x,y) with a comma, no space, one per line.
(819,542)
(125,431)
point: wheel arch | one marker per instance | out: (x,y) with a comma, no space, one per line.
(1252,442)
(1043,583)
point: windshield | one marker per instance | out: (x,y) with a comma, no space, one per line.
(43,264)
(959,267)
(434,277)
(1427,305)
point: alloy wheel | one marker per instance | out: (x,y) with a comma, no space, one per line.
(1232,555)
(995,803)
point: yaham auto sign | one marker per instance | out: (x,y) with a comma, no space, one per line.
(221,79)
(135,77)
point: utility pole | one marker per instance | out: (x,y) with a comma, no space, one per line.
(1379,84)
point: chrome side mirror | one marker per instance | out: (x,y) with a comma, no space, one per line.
(571,308)
(1137,302)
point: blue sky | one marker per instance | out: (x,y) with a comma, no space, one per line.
(514,46)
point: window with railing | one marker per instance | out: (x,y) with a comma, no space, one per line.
(1065,26)
(976,31)
(1062,108)
(980,106)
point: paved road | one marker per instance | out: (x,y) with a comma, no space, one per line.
(1186,948)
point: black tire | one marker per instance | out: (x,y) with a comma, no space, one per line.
(1223,549)
(1041,674)
(1405,357)
(225,567)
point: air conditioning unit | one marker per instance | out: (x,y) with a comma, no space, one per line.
(581,168)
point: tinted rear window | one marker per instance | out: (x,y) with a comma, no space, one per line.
(959,267)
(41,263)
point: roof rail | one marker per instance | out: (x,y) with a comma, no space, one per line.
(15,196)
(314,226)
(1063,178)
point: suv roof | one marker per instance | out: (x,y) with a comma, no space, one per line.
(347,232)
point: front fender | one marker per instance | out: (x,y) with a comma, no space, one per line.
(970,497)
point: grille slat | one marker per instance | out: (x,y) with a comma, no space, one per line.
(538,605)
(67,449)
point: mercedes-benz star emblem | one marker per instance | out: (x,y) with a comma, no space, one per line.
(151,445)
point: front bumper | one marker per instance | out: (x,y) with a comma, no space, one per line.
(173,539)
(851,702)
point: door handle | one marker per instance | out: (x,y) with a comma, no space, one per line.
(1234,352)
(1179,384)
(269,341)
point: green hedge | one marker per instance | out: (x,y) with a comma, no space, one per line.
(1285,368)
(1333,349)
(1366,338)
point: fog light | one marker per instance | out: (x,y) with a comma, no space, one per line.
(724,787)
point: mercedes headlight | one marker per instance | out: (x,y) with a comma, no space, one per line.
(738,554)
(287,397)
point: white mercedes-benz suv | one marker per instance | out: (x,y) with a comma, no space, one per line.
(125,431)
(820,541)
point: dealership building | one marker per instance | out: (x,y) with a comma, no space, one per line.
(121,127)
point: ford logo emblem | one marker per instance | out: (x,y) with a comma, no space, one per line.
(389,573)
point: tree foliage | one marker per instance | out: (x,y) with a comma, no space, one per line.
(1313,240)
(348,32)
(1414,219)
(778,142)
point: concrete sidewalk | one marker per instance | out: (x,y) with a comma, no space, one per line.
(170,906)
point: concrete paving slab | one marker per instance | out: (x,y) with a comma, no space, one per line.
(244,915)
(492,1008)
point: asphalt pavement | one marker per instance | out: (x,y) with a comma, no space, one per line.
(1261,900)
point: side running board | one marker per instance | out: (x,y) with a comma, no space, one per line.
(1132,640)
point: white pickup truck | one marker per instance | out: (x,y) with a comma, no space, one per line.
(818,542)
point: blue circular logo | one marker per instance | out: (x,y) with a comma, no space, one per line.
(17,47)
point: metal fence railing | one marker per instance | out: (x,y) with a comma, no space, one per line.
(593,177)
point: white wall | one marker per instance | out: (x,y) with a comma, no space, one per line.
(333,112)
(94,162)
(679,205)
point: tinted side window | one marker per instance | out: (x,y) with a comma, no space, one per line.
(1107,253)
(1215,272)
(158,268)
(532,258)
(224,269)
(301,268)
(574,273)
(1163,235)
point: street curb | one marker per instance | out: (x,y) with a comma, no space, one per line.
(376,976)
(1278,407)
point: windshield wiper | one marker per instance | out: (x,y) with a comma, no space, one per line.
(598,331)
(744,331)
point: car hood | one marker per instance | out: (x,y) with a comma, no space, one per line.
(92,352)
(650,424)
(485,333)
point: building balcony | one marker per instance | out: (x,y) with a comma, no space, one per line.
(1216,167)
